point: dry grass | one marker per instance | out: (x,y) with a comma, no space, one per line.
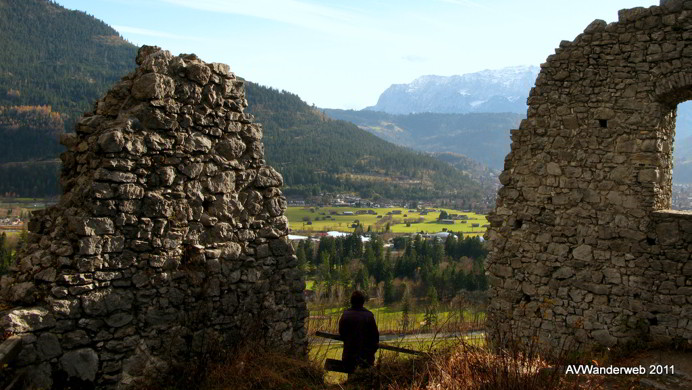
(449,365)
(463,366)
(246,368)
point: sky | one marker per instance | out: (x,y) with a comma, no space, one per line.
(345,53)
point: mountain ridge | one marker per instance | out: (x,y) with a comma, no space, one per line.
(491,92)
(483,137)
(497,90)
(316,154)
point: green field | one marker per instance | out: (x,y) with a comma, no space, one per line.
(389,319)
(323,219)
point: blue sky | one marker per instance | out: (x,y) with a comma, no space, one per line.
(344,53)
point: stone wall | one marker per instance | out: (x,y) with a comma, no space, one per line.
(169,236)
(582,249)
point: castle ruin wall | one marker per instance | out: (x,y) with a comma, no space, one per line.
(584,250)
(169,238)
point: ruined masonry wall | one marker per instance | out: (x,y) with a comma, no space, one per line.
(582,249)
(169,237)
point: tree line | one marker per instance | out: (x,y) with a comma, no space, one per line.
(58,57)
(417,267)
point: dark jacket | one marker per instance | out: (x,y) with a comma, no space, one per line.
(359,332)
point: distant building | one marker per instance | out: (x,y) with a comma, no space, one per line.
(342,234)
(447,221)
(442,235)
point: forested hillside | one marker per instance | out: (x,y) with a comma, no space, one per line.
(29,133)
(57,57)
(316,153)
(57,62)
(483,137)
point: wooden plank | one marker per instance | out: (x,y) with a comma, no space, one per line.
(379,345)
(328,335)
(399,349)
(9,349)
(335,365)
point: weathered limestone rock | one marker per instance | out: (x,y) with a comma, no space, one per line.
(28,320)
(586,188)
(170,229)
(81,363)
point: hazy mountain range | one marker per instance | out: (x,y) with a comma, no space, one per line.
(484,137)
(471,114)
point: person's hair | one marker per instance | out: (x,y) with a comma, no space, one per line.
(357,299)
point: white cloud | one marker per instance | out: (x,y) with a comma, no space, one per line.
(332,20)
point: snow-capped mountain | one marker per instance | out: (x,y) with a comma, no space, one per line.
(489,91)
(501,90)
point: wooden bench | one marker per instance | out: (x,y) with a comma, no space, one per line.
(338,365)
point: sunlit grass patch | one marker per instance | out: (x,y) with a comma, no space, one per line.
(400,220)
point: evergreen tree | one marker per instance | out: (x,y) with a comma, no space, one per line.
(302,258)
(430,316)
(389,296)
(361,280)
(405,309)
(438,253)
(4,255)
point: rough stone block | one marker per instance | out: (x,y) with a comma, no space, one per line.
(27,320)
(82,363)
(153,86)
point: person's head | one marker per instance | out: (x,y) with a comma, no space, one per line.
(357,299)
